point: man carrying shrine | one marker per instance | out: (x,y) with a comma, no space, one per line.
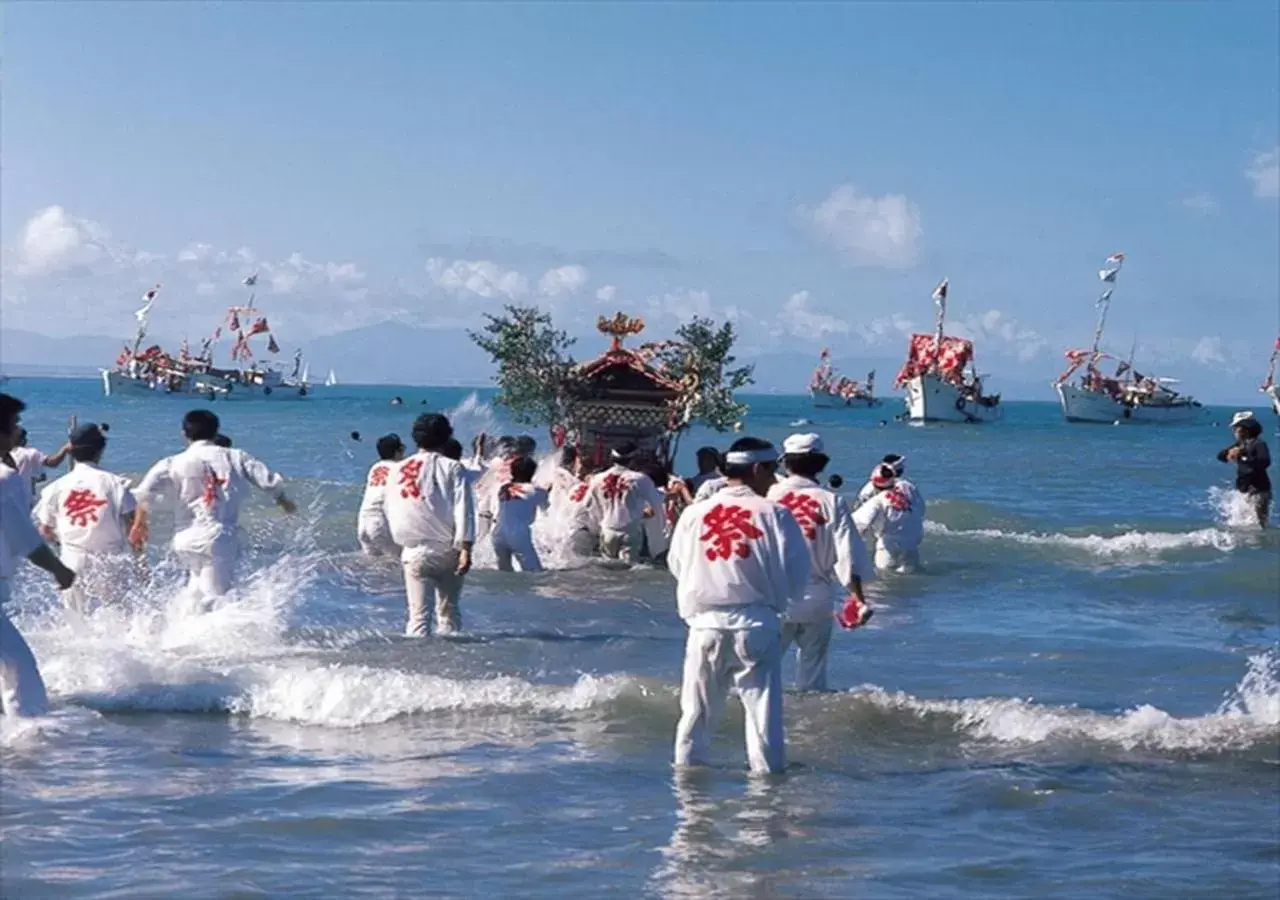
(210,484)
(839,562)
(894,517)
(624,498)
(22,691)
(89,512)
(739,561)
(372,529)
(430,507)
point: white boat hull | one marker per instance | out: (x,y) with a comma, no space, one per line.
(1079,405)
(930,399)
(204,387)
(827,401)
(1273,393)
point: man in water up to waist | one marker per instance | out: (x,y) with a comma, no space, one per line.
(210,485)
(1252,459)
(739,562)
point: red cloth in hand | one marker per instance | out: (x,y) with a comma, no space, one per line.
(854,614)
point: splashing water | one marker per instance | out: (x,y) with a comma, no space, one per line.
(1232,509)
(1135,544)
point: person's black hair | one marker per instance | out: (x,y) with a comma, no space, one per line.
(523,468)
(707,453)
(895,460)
(389,445)
(431,430)
(743,445)
(10,406)
(200,425)
(452,449)
(506,444)
(222,441)
(806,465)
(836,482)
(568,455)
(355,435)
(88,453)
(526,445)
(1252,428)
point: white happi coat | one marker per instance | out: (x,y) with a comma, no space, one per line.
(30,462)
(22,691)
(372,529)
(518,506)
(620,496)
(895,518)
(86,510)
(737,553)
(429,505)
(836,552)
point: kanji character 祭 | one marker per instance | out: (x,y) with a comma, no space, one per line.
(807,512)
(728,529)
(81,507)
(378,478)
(410,472)
(579,493)
(615,486)
(212,484)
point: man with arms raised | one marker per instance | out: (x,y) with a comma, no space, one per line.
(739,561)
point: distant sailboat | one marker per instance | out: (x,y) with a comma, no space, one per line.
(331,379)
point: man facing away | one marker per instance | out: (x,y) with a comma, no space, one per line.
(708,460)
(29,462)
(838,559)
(518,503)
(895,518)
(22,690)
(624,498)
(372,529)
(430,507)
(895,461)
(739,560)
(210,484)
(89,512)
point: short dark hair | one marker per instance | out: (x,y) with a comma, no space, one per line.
(523,468)
(222,440)
(744,445)
(836,482)
(431,430)
(452,449)
(200,425)
(568,455)
(710,453)
(10,408)
(806,465)
(526,445)
(389,445)
(88,452)
(1251,427)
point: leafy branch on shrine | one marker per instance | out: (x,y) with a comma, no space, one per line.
(533,360)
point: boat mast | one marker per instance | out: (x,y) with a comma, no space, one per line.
(1107,276)
(940,301)
(141,315)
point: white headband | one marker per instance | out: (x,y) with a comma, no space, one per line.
(750,457)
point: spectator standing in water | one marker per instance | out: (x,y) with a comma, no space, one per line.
(1252,459)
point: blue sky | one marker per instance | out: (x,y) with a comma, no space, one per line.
(810,170)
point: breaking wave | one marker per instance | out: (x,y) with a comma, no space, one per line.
(1127,544)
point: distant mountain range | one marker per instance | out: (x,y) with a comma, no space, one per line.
(392,353)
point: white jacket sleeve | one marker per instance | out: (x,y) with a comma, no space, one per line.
(795,555)
(256,471)
(20,533)
(852,559)
(867,518)
(158,478)
(464,508)
(46,512)
(677,552)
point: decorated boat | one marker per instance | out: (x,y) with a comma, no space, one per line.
(939,377)
(1269,386)
(1109,389)
(152,370)
(830,390)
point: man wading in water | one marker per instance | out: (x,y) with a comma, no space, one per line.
(1252,459)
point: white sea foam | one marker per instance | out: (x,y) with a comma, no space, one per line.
(1128,544)
(1249,715)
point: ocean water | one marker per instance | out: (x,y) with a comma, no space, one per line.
(1080,697)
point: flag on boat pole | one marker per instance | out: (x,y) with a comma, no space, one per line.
(148,300)
(940,292)
(1109,275)
(1115,259)
(1106,296)
(251,280)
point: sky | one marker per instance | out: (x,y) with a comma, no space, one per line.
(809,171)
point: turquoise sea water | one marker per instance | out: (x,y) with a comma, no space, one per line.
(1079,698)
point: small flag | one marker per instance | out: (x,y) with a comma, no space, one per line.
(940,292)
(251,280)
(217,333)
(258,327)
(1106,295)
(1115,259)
(1108,275)
(148,300)
(272,346)
(234,324)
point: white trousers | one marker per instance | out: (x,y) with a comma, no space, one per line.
(716,660)
(374,536)
(210,561)
(655,533)
(518,546)
(904,561)
(813,643)
(22,690)
(431,572)
(623,545)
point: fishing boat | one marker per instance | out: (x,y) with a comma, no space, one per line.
(830,390)
(1269,386)
(1124,394)
(152,370)
(939,377)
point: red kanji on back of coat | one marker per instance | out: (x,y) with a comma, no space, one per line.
(614,486)
(807,512)
(727,530)
(379,476)
(410,472)
(82,507)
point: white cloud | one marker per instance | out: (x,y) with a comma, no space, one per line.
(799,318)
(607,293)
(297,272)
(54,241)
(1208,350)
(1264,172)
(682,304)
(867,231)
(480,277)
(1201,203)
(886,329)
(563,280)
(1002,333)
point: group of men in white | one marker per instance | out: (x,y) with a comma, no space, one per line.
(763,554)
